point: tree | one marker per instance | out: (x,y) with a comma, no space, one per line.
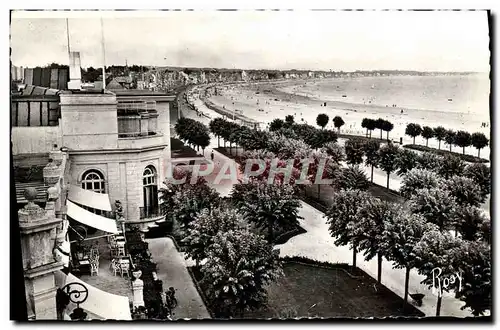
(481,175)
(371,152)
(470,222)
(450,166)
(417,179)
(321,137)
(276,124)
(429,161)
(338,122)
(206,225)
(379,123)
(479,141)
(215,127)
(289,120)
(436,205)
(387,159)
(440,134)
(354,151)
(364,124)
(353,177)
(343,217)
(370,229)
(407,160)
(322,120)
(335,151)
(239,266)
(462,139)
(475,265)
(450,138)
(436,255)
(270,207)
(202,139)
(413,130)
(191,199)
(402,232)
(371,125)
(465,191)
(387,126)
(427,133)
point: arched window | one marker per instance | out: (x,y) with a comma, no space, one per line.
(149,176)
(150,191)
(93,180)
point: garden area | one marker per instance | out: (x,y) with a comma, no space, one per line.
(232,241)
(310,289)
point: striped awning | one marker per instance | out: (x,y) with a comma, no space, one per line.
(91,219)
(89,198)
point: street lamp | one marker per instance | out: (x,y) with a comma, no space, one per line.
(77,294)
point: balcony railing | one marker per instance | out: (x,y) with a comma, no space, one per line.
(149,212)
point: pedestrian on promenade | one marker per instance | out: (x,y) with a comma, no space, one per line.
(212,155)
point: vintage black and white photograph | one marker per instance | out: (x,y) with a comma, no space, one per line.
(251,164)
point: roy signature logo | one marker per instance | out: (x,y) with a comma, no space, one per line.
(442,283)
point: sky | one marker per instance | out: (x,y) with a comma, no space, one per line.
(309,40)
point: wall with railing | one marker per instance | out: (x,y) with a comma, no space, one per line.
(137,118)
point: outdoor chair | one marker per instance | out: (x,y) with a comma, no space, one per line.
(113,250)
(115,267)
(124,268)
(121,249)
(94,267)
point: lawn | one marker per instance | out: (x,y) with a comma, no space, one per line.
(332,291)
(180,150)
(443,152)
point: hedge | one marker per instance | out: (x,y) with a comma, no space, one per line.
(442,152)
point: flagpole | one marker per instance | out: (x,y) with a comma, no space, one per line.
(67,34)
(103,58)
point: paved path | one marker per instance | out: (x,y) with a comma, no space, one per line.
(173,272)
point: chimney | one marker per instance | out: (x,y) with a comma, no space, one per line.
(75,75)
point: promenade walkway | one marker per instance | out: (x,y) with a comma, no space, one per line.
(173,272)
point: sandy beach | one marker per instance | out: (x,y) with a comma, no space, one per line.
(277,100)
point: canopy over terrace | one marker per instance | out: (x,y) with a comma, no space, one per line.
(78,197)
(89,198)
(90,219)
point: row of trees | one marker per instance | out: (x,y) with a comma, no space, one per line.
(392,159)
(458,138)
(193,133)
(381,124)
(418,237)
(322,120)
(252,139)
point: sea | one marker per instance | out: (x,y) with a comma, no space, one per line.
(465,94)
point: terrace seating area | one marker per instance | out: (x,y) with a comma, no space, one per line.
(107,270)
